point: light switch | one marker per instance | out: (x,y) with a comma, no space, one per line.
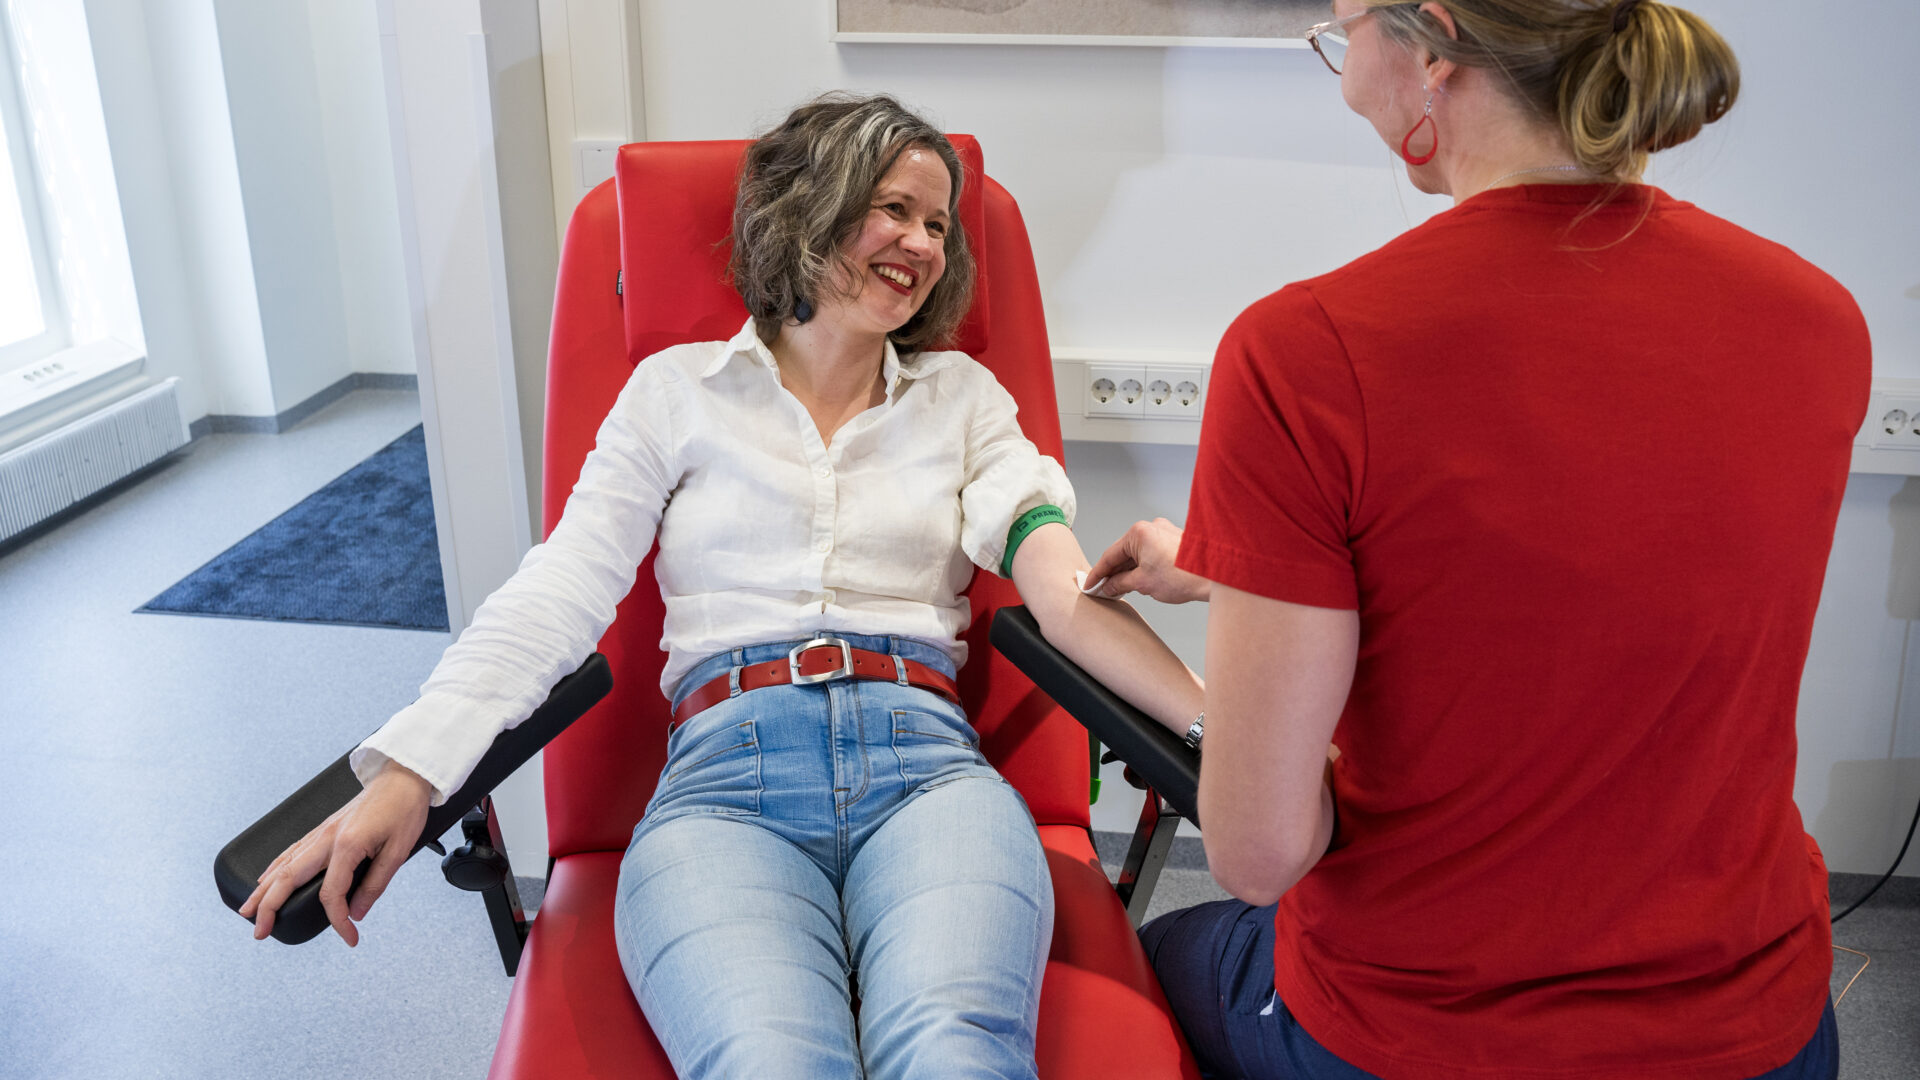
(593,163)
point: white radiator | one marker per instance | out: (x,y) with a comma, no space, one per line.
(60,468)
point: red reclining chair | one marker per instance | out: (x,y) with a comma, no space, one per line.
(571,1013)
(642,270)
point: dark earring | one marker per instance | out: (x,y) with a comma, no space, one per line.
(802,311)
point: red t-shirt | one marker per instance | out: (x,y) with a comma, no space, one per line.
(1582,501)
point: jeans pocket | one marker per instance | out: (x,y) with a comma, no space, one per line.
(718,772)
(934,746)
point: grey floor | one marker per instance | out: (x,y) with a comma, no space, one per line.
(133,746)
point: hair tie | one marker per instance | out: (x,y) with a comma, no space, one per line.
(1621,10)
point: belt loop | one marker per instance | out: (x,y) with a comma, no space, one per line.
(733,673)
(899,669)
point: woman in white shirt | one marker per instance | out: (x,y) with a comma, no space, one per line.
(825,829)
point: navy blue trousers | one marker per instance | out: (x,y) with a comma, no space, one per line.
(1215,962)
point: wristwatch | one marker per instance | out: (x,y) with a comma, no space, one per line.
(1195,730)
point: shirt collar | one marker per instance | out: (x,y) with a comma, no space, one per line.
(747,344)
(916,366)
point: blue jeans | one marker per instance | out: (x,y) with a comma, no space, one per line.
(1215,962)
(831,881)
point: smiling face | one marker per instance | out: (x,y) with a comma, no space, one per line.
(900,251)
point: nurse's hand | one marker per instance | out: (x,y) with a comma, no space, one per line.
(381,823)
(1142,561)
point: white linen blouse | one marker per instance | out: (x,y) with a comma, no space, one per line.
(766,533)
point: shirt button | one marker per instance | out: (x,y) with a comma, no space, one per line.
(823,545)
(825,472)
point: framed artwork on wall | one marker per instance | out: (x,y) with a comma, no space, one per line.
(1268,24)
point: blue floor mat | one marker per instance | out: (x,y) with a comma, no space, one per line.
(361,551)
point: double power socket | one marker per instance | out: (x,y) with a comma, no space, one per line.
(1161,391)
(1893,420)
(1892,416)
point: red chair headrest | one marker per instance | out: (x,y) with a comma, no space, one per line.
(676,212)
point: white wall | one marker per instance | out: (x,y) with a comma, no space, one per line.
(1167,188)
(255,178)
(1859,718)
(165,100)
(274,105)
(589,53)
(359,155)
(156,251)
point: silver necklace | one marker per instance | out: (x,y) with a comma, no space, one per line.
(1544,168)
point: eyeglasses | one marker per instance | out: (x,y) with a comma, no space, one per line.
(1329,39)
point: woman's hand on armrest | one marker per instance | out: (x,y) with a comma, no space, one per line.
(1142,561)
(381,823)
(1106,637)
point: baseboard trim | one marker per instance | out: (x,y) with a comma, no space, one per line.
(220,424)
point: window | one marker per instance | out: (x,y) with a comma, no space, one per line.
(31,323)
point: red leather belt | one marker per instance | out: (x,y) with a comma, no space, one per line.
(821,660)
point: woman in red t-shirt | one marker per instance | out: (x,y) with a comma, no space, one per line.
(1478,510)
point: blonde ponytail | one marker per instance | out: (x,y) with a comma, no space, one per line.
(1622,80)
(1650,85)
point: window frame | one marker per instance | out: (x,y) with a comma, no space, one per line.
(54,335)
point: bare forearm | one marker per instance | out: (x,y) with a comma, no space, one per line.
(1116,646)
(1106,637)
(1259,867)
(1282,675)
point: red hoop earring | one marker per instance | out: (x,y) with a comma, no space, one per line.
(1406,143)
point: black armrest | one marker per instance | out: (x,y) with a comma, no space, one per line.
(1157,755)
(240,864)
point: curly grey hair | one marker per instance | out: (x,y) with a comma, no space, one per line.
(806,188)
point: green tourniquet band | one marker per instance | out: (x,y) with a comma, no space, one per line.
(1093,767)
(1023,527)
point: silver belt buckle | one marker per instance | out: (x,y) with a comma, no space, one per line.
(843,671)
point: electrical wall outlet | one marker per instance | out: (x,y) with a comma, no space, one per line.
(1147,396)
(1893,422)
(1175,391)
(1116,390)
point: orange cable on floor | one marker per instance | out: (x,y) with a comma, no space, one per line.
(1856,975)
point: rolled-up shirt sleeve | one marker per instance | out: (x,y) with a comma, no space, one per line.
(1006,475)
(544,622)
